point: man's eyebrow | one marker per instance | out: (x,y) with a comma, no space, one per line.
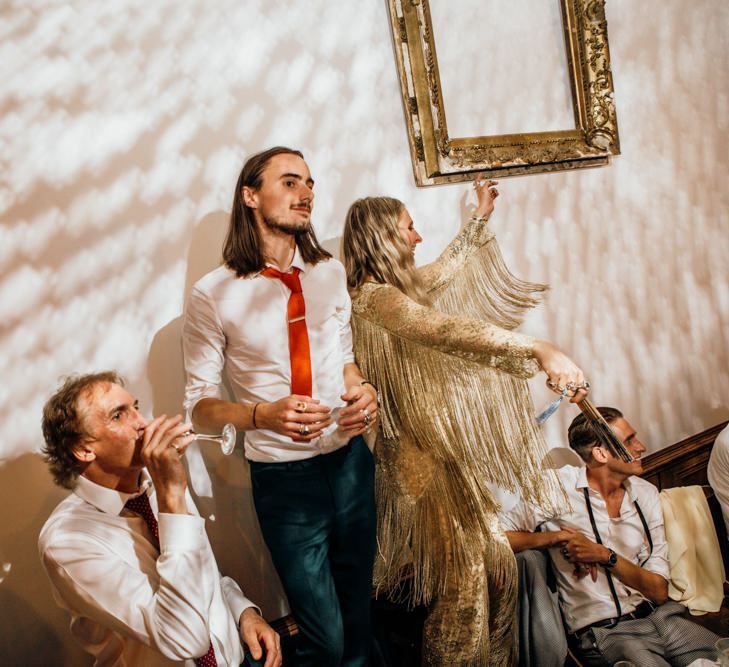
(121,407)
(298,177)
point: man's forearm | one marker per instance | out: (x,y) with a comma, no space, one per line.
(522,540)
(211,414)
(650,584)
(352,376)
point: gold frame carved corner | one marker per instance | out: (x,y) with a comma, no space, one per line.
(439,158)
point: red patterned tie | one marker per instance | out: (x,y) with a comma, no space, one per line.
(140,505)
(299,352)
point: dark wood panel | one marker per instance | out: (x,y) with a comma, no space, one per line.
(684,463)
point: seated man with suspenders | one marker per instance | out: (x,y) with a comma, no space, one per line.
(610,557)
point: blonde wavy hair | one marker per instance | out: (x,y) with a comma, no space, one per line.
(372,248)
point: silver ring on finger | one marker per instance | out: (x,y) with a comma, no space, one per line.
(555,386)
(367,419)
(303,429)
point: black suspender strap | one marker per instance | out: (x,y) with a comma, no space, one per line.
(647,532)
(609,576)
(598,539)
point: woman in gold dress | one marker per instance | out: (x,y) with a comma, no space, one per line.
(455,413)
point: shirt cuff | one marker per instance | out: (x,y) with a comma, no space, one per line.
(181,532)
(237,602)
(192,398)
(659,567)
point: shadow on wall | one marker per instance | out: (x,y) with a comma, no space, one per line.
(221,484)
(334,246)
(29,636)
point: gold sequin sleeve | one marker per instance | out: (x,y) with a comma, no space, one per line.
(474,236)
(472,340)
(471,279)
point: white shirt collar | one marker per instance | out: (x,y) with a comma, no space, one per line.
(296,261)
(581,483)
(109,500)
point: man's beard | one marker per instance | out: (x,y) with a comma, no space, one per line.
(287,227)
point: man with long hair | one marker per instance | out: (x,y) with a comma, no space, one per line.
(276,316)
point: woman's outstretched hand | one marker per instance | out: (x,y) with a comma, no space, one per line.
(486,192)
(563,375)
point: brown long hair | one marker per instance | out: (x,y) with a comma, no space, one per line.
(373,249)
(242,249)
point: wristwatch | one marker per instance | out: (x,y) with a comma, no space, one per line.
(612,560)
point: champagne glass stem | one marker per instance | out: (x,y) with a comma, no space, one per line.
(226,438)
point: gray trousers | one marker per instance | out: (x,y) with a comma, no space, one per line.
(662,639)
(542,640)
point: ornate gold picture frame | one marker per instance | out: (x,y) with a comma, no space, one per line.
(439,157)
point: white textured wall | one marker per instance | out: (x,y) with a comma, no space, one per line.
(122,131)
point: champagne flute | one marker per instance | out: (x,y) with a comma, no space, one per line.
(226,438)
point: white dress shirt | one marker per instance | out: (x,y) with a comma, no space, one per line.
(241,324)
(718,472)
(129,603)
(585,601)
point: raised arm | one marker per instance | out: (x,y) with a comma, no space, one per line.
(467,338)
(470,339)
(474,235)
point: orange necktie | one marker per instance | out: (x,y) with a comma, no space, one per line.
(298,335)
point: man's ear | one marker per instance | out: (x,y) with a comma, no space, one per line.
(83,452)
(598,454)
(249,197)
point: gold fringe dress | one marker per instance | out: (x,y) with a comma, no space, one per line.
(456,413)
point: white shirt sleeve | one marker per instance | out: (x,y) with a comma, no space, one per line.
(168,612)
(203,344)
(523,517)
(344,315)
(235,599)
(718,472)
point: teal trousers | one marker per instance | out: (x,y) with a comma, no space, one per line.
(317,518)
